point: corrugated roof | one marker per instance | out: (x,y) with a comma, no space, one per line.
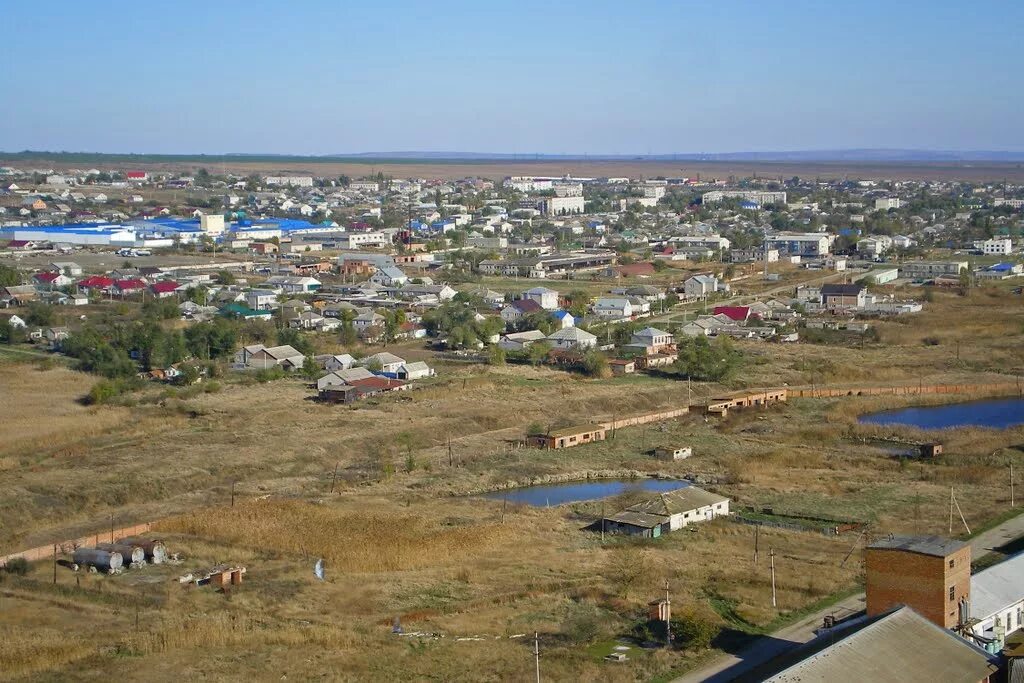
(997,587)
(936,546)
(685,499)
(901,646)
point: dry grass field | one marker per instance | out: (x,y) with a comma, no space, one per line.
(976,171)
(401,539)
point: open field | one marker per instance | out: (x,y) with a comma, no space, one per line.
(400,538)
(497,169)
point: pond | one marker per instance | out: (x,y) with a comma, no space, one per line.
(574,492)
(995,413)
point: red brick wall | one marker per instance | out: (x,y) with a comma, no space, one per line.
(898,577)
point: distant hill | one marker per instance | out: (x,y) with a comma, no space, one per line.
(854,156)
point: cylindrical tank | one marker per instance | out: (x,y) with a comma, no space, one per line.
(129,552)
(156,551)
(101,559)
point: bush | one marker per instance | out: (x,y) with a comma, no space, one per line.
(103,391)
(18,566)
(269,375)
(694,631)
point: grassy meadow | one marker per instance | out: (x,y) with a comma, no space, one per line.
(401,538)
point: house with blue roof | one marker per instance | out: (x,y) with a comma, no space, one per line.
(1000,271)
(563,319)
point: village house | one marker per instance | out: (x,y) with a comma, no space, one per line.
(518,309)
(366,320)
(388,363)
(613,308)
(333,363)
(284,356)
(546,298)
(702,286)
(164,288)
(413,371)
(572,338)
(520,341)
(389,276)
(49,281)
(672,452)
(834,297)
(667,512)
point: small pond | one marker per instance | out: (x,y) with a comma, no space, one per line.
(995,413)
(574,492)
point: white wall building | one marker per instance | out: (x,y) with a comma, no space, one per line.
(999,245)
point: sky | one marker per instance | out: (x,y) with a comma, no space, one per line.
(525,77)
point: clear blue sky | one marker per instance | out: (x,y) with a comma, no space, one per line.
(333,76)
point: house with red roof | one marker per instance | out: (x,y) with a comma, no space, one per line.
(51,280)
(164,288)
(371,386)
(124,287)
(739,314)
(137,176)
(96,282)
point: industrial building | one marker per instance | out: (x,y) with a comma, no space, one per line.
(929,573)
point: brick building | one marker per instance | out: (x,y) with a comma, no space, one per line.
(928,573)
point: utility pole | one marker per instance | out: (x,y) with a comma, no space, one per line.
(450,451)
(504,504)
(55,563)
(536,654)
(334,478)
(774,598)
(668,617)
(757,541)
(232,493)
(1011,484)
(602,523)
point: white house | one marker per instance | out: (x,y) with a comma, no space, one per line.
(668,512)
(389,362)
(563,319)
(572,338)
(547,298)
(389,276)
(367,319)
(16,322)
(416,370)
(613,308)
(261,299)
(999,246)
(700,286)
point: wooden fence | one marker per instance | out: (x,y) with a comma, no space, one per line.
(69,546)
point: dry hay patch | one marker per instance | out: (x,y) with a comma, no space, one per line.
(372,540)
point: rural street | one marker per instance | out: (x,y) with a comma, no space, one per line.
(729,666)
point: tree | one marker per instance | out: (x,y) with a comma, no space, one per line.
(295,339)
(595,364)
(537,352)
(225,277)
(310,368)
(9,334)
(39,314)
(9,277)
(496,355)
(707,361)
(349,337)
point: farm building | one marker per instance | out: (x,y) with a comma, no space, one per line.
(673,452)
(761,398)
(668,512)
(567,436)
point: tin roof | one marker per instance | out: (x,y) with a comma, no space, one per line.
(937,546)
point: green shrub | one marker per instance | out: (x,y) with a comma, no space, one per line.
(19,566)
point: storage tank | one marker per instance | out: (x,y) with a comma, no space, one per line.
(156,551)
(101,559)
(129,553)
